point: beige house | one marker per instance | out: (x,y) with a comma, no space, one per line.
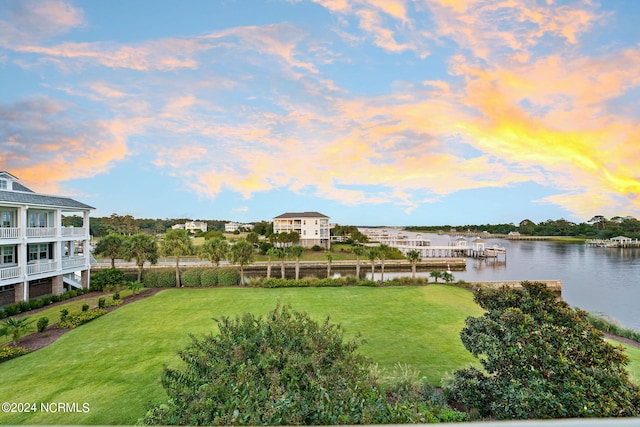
(313,227)
(38,256)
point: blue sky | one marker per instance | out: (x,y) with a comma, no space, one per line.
(374,112)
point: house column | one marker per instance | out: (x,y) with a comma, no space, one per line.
(57,285)
(19,292)
(57,247)
(86,249)
(23,252)
(85,279)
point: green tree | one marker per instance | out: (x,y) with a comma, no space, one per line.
(281,254)
(413,256)
(372,254)
(448,277)
(111,246)
(541,359)
(383,253)
(253,238)
(241,253)
(141,247)
(16,327)
(436,275)
(214,250)
(297,252)
(176,243)
(358,251)
(329,260)
(271,253)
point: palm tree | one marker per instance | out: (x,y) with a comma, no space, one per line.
(176,243)
(111,246)
(383,252)
(448,277)
(372,254)
(241,253)
(413,256)
(436,275)
(358,251)
(329,259)
(272,252)
(214,250)
(141,247)
(297,252)
(281,254)
(15,327)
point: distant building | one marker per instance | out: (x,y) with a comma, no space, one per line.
(232,226)
(191,226)
(313,227)
(38,256)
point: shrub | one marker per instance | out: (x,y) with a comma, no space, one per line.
(116,296)
(191,277)
(9,352)
(317,248)
(85,307)
(11,310)
(102,302)
(36,303)
(284,369)
(542,360)
(209,277)
(160,278)
(24,306)
(228,276)
(63,314)
(105,279)
(42,324)
(77,318)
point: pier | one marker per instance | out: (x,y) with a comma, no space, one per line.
(615,242)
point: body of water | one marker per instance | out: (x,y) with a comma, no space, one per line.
(600,280)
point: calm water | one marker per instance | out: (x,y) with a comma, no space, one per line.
(603,280)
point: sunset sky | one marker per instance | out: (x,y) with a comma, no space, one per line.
(373,112)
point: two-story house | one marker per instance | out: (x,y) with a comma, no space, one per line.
(38,256)
(313,227)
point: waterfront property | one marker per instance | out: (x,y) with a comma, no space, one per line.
(614,242)
(38,255)
(313,227)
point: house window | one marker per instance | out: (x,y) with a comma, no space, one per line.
(37,219)
(38,251)
(7,219)
(8,255)
(3,184)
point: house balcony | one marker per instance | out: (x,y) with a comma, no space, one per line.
(41,231)
(73,262)
(73,231)
(9,272)
(9,232)
(41,266)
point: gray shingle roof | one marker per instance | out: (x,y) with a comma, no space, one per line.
(301,215)
(31,198)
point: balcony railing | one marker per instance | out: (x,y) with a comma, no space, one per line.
(42,266)
(9,272)
(9,232)
(41,232)
(73,231)
(72,262)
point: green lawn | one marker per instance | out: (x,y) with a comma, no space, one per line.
(114,362)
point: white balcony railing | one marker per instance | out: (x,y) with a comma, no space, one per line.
(9,232)
(42,266)
(41,232)
(73,231)
(72,262)
(9,272)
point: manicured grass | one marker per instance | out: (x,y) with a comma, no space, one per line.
(114,362)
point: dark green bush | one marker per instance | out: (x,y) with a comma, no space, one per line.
(191,277)
(24,306)
(11,310)
(55,298)
(36,303)
(286,369)
(228,276)
(116,296)
(209,277)
(85,307)
(42,324)
(102,280)
(63,314)
(102,302)
(159,278)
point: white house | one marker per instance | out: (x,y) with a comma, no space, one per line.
(192,226)
(232,226)
(38,256)
(313,227)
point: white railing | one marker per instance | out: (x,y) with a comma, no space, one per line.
(73,262)
(73,231)
(9,272)
(9,232)
(41,232)
(42,267)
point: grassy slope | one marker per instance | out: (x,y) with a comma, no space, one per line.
(114,362)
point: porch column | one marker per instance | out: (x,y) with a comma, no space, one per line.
(57,285)
(85,278)
(19,292)
(86,248)
(57,246)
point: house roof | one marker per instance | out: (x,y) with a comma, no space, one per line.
(301,215)
(30,198)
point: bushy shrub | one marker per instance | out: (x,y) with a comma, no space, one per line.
(160,278)
(11,310)
(36,303)
(102,302)
(209,277)
(9,352)
(24,306)
(191,277)
(106,279)
(286,369)
(77,318)
(63,314)
(542,360)
(317,248)
(228,276)
(42,324)
(115,296)
(85,307)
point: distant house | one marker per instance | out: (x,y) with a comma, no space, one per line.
(191,226)
(232,226)
(313,227)
(38,256)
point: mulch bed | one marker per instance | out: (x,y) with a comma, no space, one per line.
(38,340)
